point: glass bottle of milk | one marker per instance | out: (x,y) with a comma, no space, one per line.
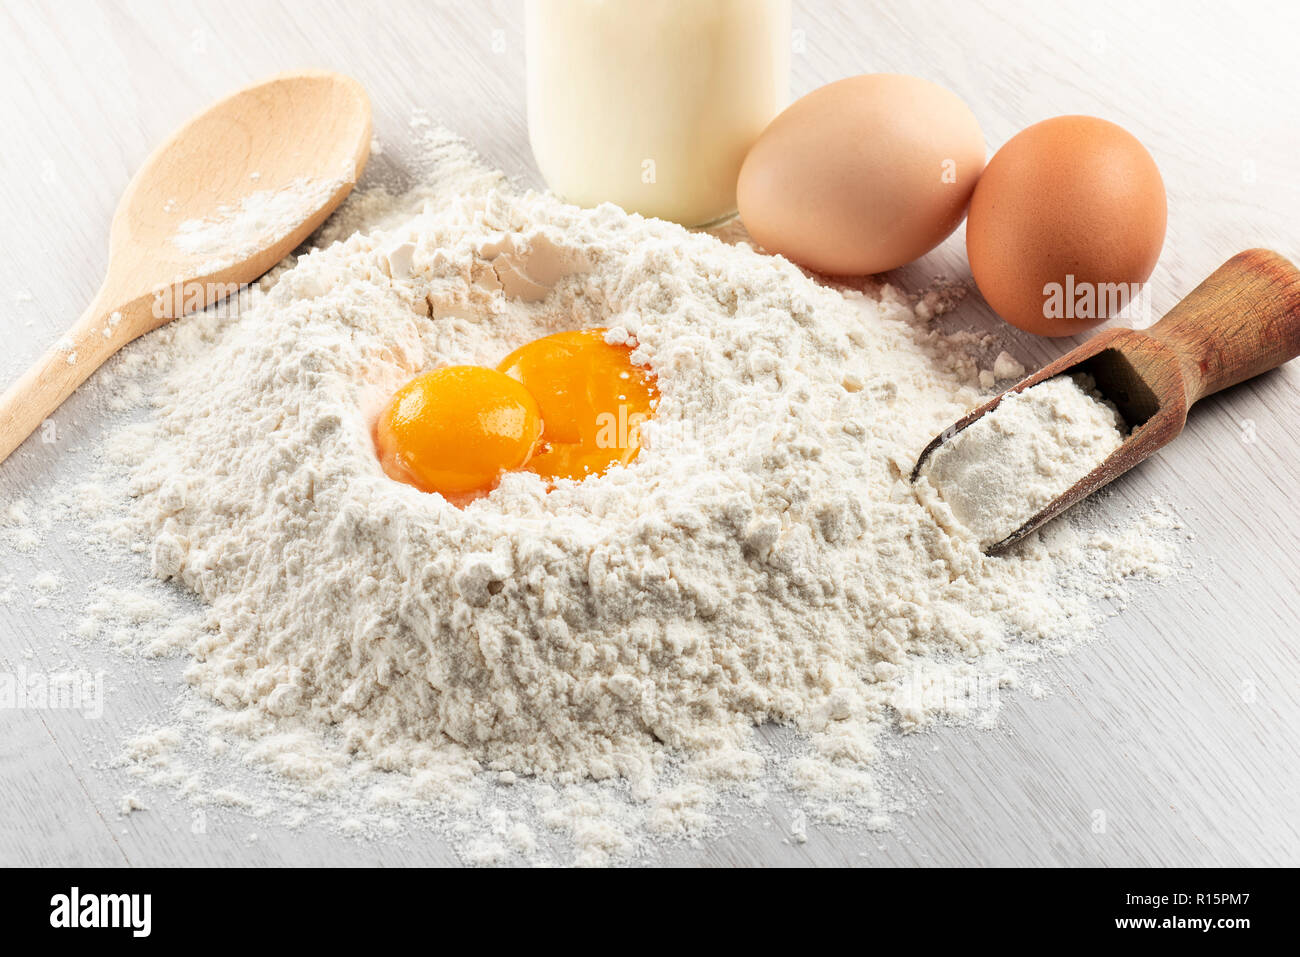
(653,104)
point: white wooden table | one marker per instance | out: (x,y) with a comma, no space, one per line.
(1177,732)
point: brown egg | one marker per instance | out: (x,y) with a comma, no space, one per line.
(863,175)
(1067,218)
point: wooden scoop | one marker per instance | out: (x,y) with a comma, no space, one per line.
(266,165)
(1242,321)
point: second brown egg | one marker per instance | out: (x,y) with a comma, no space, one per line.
(1067,221)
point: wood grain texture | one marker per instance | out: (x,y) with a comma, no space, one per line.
(1170,741)
(1241,322)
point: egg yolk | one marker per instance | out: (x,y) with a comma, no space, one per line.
(593,401)
(455,430)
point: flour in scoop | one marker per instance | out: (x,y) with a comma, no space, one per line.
(1008,465)
(577,673)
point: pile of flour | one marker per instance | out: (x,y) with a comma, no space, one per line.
(1008,465)
(605,649)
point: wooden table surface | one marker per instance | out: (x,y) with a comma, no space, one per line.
(1171,741)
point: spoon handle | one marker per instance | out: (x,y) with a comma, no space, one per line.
(104,328)
(1242,321)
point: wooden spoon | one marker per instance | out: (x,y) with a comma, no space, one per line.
(1242,321)
(214,208)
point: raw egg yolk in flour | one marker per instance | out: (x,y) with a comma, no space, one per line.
(565,407)
(454,431)
(593,402)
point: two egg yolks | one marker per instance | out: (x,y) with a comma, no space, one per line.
(568,406)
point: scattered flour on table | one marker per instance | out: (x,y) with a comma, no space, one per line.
(130,804)
(573,674)
(1008,465)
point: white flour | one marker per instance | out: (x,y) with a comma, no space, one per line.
(236,231)
(1008,465)
(587,665)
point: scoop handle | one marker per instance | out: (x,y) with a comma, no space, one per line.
(1242,321)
